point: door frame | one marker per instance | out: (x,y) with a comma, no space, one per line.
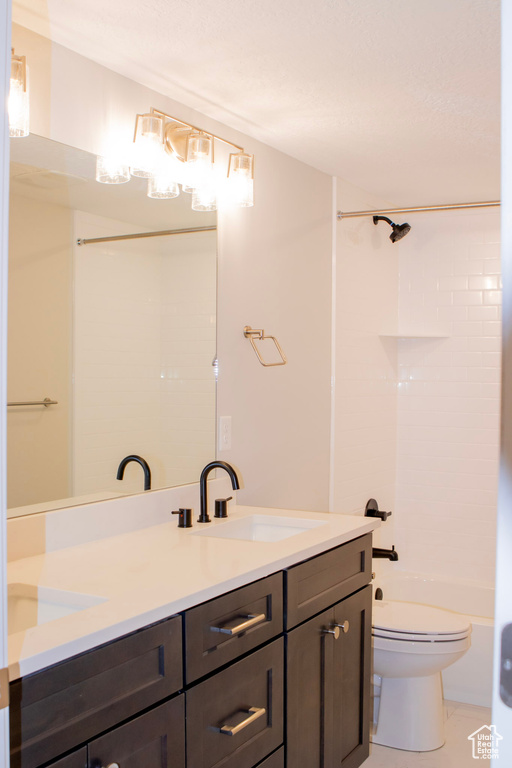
(5,71)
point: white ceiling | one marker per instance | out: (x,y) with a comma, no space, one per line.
(399,97)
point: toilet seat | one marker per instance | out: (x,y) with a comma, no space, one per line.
(400,621)
(434,648)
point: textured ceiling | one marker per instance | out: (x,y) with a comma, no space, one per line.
(399,97)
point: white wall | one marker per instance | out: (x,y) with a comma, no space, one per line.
(144,341)
(364,456)
(274,273)
(39,346)
(449,394)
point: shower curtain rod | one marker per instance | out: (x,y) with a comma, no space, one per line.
(162,233)
(418,209)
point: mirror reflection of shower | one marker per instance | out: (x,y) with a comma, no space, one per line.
(399,230)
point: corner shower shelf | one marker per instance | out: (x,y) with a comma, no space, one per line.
(413,336)
(427,331)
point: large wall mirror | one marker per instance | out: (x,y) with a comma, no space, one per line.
(120,334)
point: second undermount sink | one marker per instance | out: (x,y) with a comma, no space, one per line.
(30,606)
(261,528)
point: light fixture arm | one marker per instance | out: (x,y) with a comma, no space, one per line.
(170,118)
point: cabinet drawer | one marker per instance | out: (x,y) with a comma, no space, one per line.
(235,718)
(153,740)
(316,584)
(53,711)
(215,633)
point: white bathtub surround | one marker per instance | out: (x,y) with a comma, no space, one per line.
(449,394)
(364,419)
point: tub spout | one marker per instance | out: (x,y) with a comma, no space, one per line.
(390,554)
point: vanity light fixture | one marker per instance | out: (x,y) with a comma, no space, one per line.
(19,108)
(194,149)
(171,153)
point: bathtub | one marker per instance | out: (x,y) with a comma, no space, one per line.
(469,680)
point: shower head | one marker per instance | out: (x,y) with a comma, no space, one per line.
(399,230)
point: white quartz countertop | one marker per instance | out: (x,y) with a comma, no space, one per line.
(149,574)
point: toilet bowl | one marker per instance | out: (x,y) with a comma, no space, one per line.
(412,644)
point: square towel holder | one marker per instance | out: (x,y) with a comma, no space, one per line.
(252,334)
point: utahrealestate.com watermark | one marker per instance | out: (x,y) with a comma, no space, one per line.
(486,743)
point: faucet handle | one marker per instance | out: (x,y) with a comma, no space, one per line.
(184,517)
(372,510)
(221,507)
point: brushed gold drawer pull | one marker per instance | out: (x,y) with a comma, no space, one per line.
(236,626)
(254,713)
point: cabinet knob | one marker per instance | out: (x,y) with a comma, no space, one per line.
(344,627)
(334,631)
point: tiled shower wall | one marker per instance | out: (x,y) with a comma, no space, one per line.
(365,408)
(448,394)
(144,329)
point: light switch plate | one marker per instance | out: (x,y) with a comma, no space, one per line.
(224,433)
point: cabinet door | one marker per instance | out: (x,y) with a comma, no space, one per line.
(309,665)
(351,697)
(153,740)
(328,687)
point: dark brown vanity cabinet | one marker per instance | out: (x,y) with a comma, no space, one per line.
(273,674)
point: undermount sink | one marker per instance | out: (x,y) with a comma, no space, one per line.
(261,528)
(30,606)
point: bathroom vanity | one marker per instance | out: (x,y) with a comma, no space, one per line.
(273,673)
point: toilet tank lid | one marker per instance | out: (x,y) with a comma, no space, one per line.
(417,618)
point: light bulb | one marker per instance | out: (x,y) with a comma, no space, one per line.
(241,183)
(111,171)
(204,198)
(199,159)
(148,145)
(19,108)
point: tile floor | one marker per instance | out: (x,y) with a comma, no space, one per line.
(461,721)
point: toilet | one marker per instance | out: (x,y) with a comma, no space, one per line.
(412,644)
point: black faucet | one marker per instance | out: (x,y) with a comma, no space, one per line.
(144,465)
(203,515)
(391,554)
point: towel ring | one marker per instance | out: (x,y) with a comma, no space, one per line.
(252,334)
